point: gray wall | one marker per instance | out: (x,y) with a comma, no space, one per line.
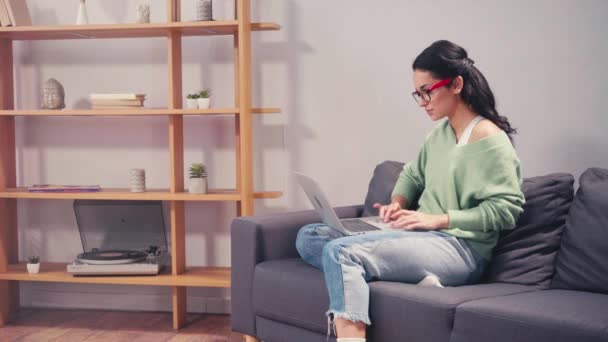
(340,70)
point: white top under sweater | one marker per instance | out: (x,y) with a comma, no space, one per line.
(464,139)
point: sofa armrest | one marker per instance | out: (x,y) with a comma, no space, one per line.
(255,239)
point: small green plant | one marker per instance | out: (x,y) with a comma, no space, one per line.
(197,170)
(192,96)
(33,260)
(205,94)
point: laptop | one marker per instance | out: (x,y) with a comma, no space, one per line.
(351,226)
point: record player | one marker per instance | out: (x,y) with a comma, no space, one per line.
(120,238)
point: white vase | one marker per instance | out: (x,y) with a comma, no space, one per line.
(197,185)
(137,180)
(203,103)
(82,18)
(143,14)
(204,10)
(33,268)
(192,103)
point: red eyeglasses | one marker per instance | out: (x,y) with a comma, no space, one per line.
(425,94)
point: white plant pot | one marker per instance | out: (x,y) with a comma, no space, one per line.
(197,185)
(33,268)
(204,103)
(192,103)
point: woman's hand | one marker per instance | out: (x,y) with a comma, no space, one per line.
(387,210)
(409,219)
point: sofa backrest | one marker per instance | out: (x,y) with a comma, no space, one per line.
(524,255)
(582,260)
(381,185)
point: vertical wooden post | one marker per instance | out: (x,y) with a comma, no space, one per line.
(9,290)
(176,152)
(243,121)
(244,97)
(174,11)
(237,123)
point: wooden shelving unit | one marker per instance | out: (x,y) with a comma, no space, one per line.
(134,112)
(55,272)
(178,277)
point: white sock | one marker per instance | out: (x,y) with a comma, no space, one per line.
(431,281)
(351,339)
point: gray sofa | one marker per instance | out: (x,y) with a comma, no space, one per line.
(548,279)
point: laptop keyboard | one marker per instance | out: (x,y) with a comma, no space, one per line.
(356,225)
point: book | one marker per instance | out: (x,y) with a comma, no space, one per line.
(135,103)
(18,12)
(63,188)
(116,107)
(5,20)
(126,96)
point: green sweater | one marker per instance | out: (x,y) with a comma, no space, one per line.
(478,185)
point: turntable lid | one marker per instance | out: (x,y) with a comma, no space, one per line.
(123,225)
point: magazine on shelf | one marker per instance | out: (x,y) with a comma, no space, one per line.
(63,188)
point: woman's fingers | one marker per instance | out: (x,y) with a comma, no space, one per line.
(405,222)
(387,213)
(400,213)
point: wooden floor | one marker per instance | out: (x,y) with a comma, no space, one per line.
(89,325)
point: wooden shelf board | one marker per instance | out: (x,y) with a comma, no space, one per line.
(125,194)
(268,194)
(103,31)
(132,112)
(56,272)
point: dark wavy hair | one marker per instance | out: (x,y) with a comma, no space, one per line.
(444,59)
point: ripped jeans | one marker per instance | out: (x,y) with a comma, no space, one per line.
(349,262)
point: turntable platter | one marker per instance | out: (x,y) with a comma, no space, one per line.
(111,257)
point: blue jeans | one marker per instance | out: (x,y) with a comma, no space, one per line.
(349,262)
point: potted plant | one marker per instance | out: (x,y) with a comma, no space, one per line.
(204,99)
(192,101)
(198,179)
(33,264)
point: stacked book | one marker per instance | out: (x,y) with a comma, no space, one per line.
(14,13)
(117,101)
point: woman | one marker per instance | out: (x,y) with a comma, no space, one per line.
(466,179)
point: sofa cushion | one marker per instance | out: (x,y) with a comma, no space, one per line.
(548,315)
(293,292)
(581,262)
(268,330)
(407,312)
(381,186)
(526,254)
